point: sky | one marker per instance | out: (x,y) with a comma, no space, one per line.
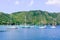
(9,6)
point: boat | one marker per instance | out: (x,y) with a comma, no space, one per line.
(53,26)
(43,26)
(12,27)
(25,25)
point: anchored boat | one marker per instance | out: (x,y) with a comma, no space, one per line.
(53,26)
(43,26)
(12,27)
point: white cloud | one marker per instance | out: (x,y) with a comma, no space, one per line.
(31,3)
(17,2)
(53,2)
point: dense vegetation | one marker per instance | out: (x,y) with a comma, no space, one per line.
(34,17)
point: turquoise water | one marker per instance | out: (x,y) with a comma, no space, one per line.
(29,33)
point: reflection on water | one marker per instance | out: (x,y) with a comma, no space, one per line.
(29,33)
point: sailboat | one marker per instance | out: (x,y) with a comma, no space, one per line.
(12,26)
(53,25)
(43,26)
(25,25)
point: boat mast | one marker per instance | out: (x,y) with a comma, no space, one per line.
(25,21)
(54,21)
(10,19)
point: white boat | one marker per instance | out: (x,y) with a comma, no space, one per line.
(43,26)
(53,26)
(12,27)
(25,25)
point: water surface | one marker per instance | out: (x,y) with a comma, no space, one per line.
(29,33)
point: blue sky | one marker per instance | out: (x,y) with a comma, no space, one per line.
(9,6)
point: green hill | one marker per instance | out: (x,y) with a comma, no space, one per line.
(34,17)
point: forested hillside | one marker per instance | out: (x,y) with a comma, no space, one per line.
(34,17)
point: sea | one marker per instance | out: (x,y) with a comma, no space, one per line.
(31,33)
